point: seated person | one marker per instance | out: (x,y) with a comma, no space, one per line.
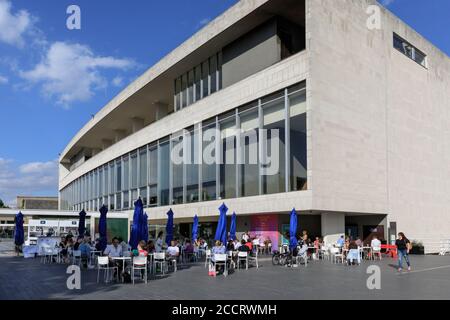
(230,245)
(353,253)
(340,242)
(151,247)
(114,250)
(85,250)
(375,243)
(236,244)
(188,247)
(141,250)
(173,251)
(217,249)
(249,244)
(358,242)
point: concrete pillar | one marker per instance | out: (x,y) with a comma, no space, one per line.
(119,135)
(161,110)
(333,226)
(136,124)
(96,151)
(106,143)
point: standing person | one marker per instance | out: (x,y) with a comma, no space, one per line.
(159,242)
(403,247)
(245,236)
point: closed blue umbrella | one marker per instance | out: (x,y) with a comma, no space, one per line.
(102,227)
(19,237)
(169,227)
(221,231)
(195,229)
(82,224)
(144,225)
(293,230)
(233,227)
(136,230)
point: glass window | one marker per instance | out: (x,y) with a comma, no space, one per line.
(273,145)
(126,173)
(143,167)
(118,201)
(111,203)
(192,143)
(191,87)
(106,185)
(118,175)
(198,78)
(205,78)
(228,156)
(163,174)
(249,168)
(219,68)
(209,191)
(298,156)
(126,200)
(153,175)
(113,182)
(134,170)
(213,73)
(178,94)
(100,184)
(143,195)
(184,88)
(177,169)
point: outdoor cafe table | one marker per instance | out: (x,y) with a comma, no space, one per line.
(123,263)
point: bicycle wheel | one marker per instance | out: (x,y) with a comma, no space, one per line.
(275,259)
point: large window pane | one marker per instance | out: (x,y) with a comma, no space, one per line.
(191,87)
(153,175)
(228,156)
(177,169)
(298,159)
(198,78)
(274,147)
(126,173)
(118,176)
(205,78)
(106,185)
(113,182)
(193,160)
(143,195)
(213,73)
(184,90)
(249,168)
(209,191)
(134,171)
(163,174)
(178,94)
(143,167)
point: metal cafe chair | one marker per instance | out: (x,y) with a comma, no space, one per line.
(103,265)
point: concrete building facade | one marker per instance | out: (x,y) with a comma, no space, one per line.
(360,114)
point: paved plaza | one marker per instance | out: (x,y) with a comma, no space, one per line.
(430,279)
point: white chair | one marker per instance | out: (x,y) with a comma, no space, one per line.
(230,259)
(159,259)
(103,264)
(207,257)
(336,255)
(254,258)
(242,256)
(376,251)
(139,264)
(221,260)
(302,255)
(76,257)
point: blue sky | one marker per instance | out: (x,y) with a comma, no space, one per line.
(52,79)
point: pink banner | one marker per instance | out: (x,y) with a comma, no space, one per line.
(265,227)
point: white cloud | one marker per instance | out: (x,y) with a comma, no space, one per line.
(117,81)
(71,72)
(13,25)
(35,178)
(3,80)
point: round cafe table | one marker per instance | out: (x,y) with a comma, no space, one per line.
(123,263)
